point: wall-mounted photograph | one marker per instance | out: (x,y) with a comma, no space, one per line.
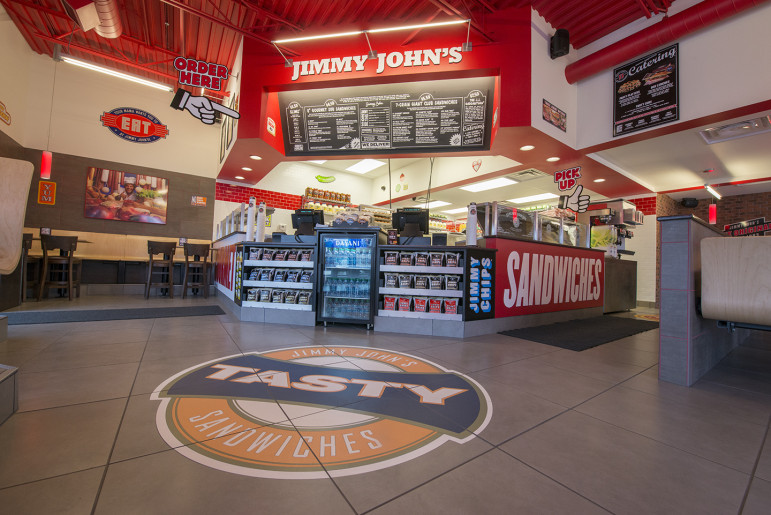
(128,197)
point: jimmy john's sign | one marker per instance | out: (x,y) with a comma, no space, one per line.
(357,63)
(538,278)
(645,92)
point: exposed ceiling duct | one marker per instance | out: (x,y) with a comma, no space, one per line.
(669,29)
(100,15)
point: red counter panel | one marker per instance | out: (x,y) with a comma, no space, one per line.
(535,277)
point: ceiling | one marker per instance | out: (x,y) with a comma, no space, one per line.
(155,31)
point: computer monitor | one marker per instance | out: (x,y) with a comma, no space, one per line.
(410,221)
(304,220)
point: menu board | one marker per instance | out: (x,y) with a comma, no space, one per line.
(434,115)
(646,92)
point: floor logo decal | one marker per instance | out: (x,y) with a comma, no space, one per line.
(303,412)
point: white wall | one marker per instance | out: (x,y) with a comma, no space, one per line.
(294,176)
(548,82)
(723,67)
(30,81)
(223,208)
(644,246)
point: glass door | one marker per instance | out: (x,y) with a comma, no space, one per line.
(346,277)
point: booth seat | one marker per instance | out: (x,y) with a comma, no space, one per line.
(736,281)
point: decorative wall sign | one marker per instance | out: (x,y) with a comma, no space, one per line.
(754,227)
(128,197)
(449,115)
(476,165)
(198,201)
(575,201)
(134,125)
(555,116)
(566,179)
(46,193)
(5,116)
(645,92)
(200,73)
(200,107)
(305,412)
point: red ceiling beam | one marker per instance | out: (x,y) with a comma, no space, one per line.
(268,14)
(449,9)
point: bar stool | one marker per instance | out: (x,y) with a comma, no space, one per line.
(196,270)
(30,267)
(165,266)
(62,271)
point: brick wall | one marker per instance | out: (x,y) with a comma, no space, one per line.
(233,193)
(735,208)
(647,205)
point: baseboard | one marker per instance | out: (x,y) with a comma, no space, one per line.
(646,304)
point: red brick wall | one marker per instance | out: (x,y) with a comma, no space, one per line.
(735,208)
(647,205)
(233,193)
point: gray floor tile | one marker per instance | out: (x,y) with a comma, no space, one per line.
(476,356)
(154,372)
(180,346)
(625,472)
(48,443)
(695,428)
(625,354)
(138,435)
(170,483)
(39,390)
(738,378)
(71,494)
(764,464)
(365,491)
(758,499)
(500,484)
(135,333)
(591,365)
(560,386)
(59,357)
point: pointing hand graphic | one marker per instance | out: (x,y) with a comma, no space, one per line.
(200,107)
(575,201)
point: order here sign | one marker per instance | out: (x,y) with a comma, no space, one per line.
(540,278)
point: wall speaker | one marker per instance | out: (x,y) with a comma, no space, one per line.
(559,44)
(689,202)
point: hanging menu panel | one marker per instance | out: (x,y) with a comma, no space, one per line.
(442,115)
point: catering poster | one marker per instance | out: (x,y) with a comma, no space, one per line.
(645,92)
(444,115)
(128,197)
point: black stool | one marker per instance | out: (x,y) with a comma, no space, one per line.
(30,267)
(62,271)
(197,270)
(164,266)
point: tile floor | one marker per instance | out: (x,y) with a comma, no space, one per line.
(589,432)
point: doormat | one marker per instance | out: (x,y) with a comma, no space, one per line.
(578,335)
(91,315)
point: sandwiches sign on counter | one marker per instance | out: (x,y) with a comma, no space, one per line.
(537,278)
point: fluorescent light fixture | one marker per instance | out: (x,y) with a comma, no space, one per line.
(533,198)
(599,180)
(527,147)
(714,193)
(256,158)
(421,26)
(456,210)
(433,204)
(115,73)
(365,165)
(246,169)
(322,36)
(552,159)
(318,161)
(239,178)
(500,182)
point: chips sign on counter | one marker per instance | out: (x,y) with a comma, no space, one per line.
(645,92)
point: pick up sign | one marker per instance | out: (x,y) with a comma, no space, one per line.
(566,179)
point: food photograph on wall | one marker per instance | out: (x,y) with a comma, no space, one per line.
(128,197)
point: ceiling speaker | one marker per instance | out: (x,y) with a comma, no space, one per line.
(689,202)
(559,44)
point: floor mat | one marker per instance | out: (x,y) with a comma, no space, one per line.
(584,334)
(89,315)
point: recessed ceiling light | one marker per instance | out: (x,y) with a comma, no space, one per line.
(433,204)
(500,182)
(552,159)
(365,165)
(318,161)
(256,158)
(239,178)
(456,211)
(599,180)
(533,198)
(246,169)
(527,147)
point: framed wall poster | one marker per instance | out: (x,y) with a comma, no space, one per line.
(127,197)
